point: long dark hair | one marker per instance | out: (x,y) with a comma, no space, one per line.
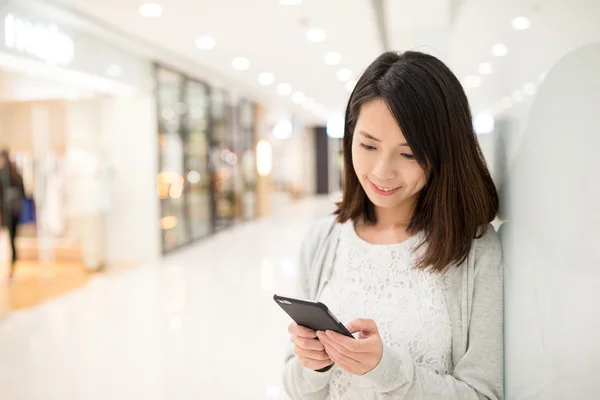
(432,110)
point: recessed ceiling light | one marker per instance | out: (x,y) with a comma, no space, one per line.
(290,2)
(499,50)
(529,89)
(114,70)
(485,68)
(344,74)
(298,97)
(473,81)
(205,43)
(151,10)
(521,23)
(284,89)
(332,58)
(518,96)
(240,63)
(316,34)
(266,78)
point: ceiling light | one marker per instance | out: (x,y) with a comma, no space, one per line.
(506,102)
(473,81)
(332,58)
(518,96)
(529,89)
(344,74)
(542,76)
(316,34)
(499,50)
(298,97)
(266,78)
(485,68)
(521,23)
(290,2)
(114,70)
(151,10)
(284,89)
(205,43)
(240,63)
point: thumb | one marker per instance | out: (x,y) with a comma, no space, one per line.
(363,325)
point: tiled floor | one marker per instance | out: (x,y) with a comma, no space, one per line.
(200,324)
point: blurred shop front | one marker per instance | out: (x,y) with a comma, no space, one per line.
(207,179)
(77,114)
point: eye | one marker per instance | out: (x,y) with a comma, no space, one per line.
(367,147)
(408,156)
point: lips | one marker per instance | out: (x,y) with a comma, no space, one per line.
(383,190)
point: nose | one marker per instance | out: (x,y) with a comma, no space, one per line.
(385,170)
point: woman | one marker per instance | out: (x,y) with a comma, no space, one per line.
(409,258)
(12,194)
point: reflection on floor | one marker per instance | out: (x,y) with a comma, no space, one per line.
(36,282)
(200,324)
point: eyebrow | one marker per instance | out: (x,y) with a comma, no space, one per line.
(369,136)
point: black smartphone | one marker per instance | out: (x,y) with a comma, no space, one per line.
(311,314)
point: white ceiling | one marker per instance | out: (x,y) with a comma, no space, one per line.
(272,37)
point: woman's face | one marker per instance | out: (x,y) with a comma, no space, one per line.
(383,161)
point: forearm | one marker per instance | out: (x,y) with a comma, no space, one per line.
(304,384)
(398,375)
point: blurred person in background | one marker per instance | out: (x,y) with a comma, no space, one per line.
(12,194)
(409,260)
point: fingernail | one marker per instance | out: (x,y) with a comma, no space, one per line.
(349,326)
(330,334)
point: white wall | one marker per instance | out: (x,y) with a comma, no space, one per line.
(130,138)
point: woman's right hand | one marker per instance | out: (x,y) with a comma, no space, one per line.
(309,350)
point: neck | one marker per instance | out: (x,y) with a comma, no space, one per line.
(398,217)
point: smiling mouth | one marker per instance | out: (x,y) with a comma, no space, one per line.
(383,188)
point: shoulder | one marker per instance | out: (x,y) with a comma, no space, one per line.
(487,250)
(320,229)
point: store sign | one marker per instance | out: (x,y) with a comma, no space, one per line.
(43,41)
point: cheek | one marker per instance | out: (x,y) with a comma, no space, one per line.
(359,162)
(416,176)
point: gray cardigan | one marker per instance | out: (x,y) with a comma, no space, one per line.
(475,303)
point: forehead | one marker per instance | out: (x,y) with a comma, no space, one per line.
(376,119)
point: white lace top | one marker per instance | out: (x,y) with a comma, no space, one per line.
(408,305)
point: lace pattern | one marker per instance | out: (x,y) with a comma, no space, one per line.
(378,282)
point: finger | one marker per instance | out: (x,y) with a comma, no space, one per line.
(314,364)
(351,344)
(346,363)
(332,344)
(312,354)
(301,331)
(308,344)
(363,325)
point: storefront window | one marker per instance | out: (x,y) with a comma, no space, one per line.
(223,160)
(207,169)
(245,151)
(197,176)
(170,178)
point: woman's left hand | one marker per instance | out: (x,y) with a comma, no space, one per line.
(355,356)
